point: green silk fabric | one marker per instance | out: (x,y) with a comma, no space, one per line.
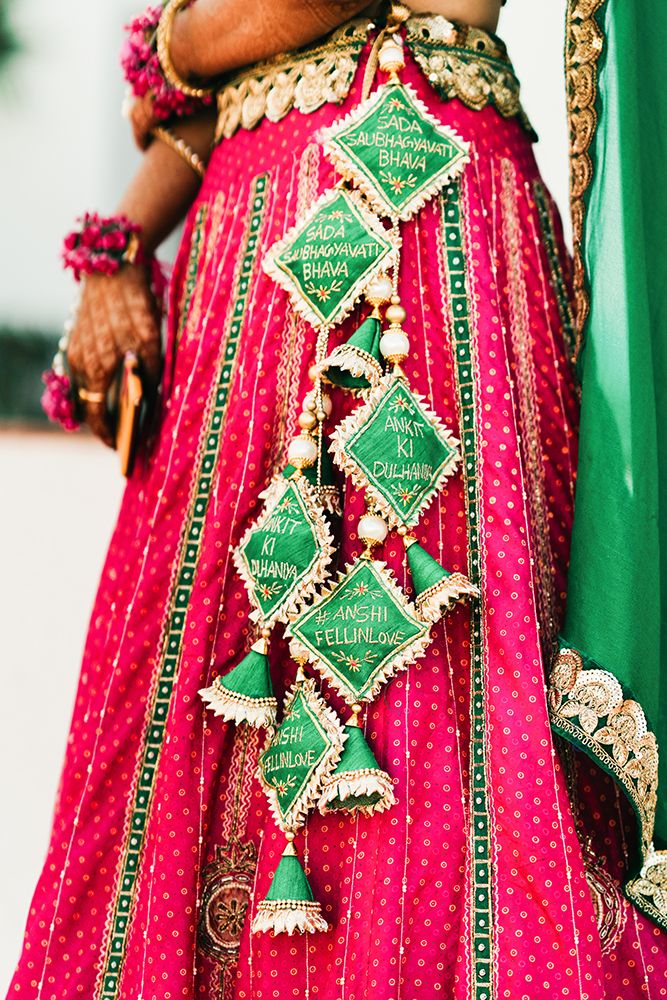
(617,604)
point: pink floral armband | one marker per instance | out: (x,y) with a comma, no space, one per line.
(143,72)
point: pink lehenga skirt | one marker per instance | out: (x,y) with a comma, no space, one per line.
(475,885)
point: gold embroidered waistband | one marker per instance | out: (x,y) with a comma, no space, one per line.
(459,62)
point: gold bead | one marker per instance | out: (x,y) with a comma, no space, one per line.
(321,416)
(266,633)
(395,315)
(307,420)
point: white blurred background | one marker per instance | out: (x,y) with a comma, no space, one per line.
(65,148)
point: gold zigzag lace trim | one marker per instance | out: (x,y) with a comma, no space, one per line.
(583,48)
(588,707)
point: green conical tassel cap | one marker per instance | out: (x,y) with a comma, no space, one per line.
(358,783)
(357,364)
(436,589)
(327,492)
(289,906)
(245,694)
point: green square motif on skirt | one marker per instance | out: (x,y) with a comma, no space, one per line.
(395,151)
(361,632)
(300,754)
(286,553)
(328,258)
(396,449)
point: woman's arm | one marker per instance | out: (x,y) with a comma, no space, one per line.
(212,37)
(117,313)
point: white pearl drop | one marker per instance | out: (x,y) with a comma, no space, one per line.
(380,289)
(302,452)
(394,344)
(373,528)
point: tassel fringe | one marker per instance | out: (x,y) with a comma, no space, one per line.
(367,791)
(434,602)
(233,707)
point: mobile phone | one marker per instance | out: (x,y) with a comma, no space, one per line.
(129,412)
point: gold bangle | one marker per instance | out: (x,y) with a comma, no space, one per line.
(186,153)
(91,397)
(164,31)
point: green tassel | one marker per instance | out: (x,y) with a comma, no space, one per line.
(358,784)
(357,364)
(245,694)
(327,492)
(289,907)
(436,589)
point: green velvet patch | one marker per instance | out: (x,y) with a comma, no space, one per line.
(285,553)
(397,450)
(303,750)
(361,632)
(326,261)
(396,151)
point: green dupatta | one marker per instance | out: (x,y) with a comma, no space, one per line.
(608,687)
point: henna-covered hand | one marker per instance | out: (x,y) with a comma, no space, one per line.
(117,313)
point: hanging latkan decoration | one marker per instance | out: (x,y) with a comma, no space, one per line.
(360,629)
(281,559)
(299,756)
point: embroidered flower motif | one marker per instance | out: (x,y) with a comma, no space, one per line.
(622,731)
(404,493)
(268,590)
(229,915)
(396,183)
(355,663)
(283,785)
(323,293)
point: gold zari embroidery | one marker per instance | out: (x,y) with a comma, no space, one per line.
(460,62)
(466,63)
(588,707)
(303,80)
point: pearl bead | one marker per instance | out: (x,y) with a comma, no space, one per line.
(372,529)
(379,290)
(302,452)
(307,420)
(309,402)
(321,416)
(313,373)
(394,345)
(390,57)
(395,315)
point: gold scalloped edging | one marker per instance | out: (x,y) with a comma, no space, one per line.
(348,169)
(306,80)
(346,785)
(467,64)
(319,569)
(334,732)
(459,62)
(588,707)
(583,47)
(356,420)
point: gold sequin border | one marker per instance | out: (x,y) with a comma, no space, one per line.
(589,708)
(584,45)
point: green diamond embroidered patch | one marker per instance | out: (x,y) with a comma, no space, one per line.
(361,631)
(396,449)
(397,153)
(300,754)
(328,258)
(286,553)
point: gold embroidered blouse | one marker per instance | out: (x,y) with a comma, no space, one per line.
(459,62)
